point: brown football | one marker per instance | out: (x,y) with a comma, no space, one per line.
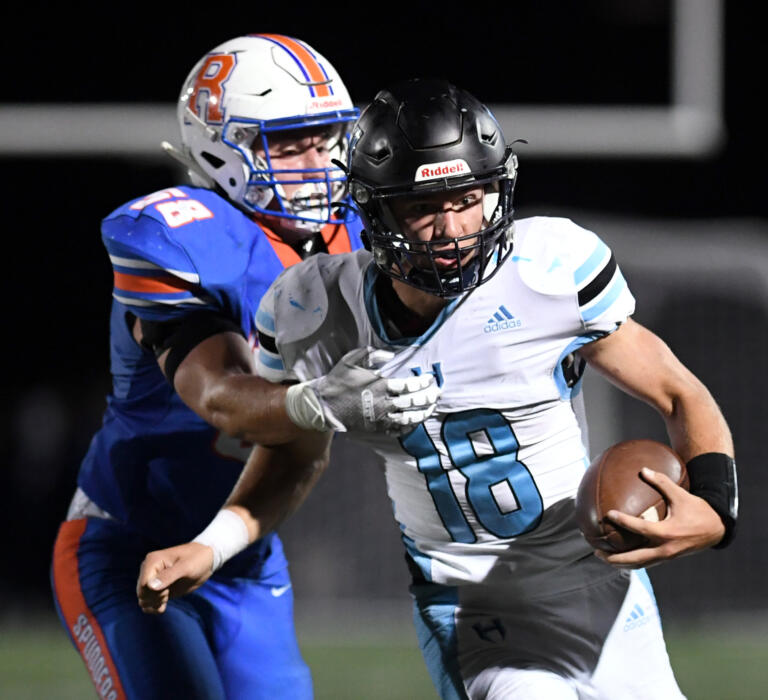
(613,482)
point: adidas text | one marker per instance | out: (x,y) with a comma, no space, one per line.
(503,326)
(502,320)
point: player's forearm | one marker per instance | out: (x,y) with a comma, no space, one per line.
(276,480)
(695,423)
(699,433)
(273,483)
(249,408)
(216,380)
(642,365)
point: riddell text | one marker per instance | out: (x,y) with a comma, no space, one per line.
(325,104)
(443,170)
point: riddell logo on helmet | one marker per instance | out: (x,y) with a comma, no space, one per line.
(449,168)
(317,105)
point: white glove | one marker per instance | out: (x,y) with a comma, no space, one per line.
(354,396)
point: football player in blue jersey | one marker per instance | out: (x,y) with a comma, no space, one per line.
(509,600)
(262,119)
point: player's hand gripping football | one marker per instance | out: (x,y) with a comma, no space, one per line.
(355,396)
(170,573)
(691,524)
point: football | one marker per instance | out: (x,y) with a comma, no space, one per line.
(613,482)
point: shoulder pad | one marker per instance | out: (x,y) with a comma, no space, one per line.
(304,293)
(551,253)
(185,246)
(137,232)
(174,228)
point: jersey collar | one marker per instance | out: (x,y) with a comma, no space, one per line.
(374,315)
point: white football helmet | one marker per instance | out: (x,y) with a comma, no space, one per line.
(243,91)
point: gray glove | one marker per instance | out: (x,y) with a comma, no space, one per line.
(354,396)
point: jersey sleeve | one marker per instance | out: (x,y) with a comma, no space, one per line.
(307,319)
(604,298)
(154,276)
(291,311)
(269,361)
(559,258)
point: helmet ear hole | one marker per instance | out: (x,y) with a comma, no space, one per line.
(490,138)
(213,161)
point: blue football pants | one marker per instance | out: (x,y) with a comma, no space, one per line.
(232,638)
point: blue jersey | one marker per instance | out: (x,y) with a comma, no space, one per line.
(155,465)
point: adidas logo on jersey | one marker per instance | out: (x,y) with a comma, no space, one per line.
(637,618)
(502,320)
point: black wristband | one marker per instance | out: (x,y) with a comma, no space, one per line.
(713,477)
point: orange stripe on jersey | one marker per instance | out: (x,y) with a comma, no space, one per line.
(166,284)
(312,67)
(81,623)
(287,255)
(336,239)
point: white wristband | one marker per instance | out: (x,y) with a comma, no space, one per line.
(304,408)
(226,535)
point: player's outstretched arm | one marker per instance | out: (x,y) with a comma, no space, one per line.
(216,378)
(209,363)
(274,482)
(641,364)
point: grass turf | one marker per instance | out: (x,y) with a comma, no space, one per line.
(38,662)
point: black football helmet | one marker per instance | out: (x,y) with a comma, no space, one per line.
(425,136)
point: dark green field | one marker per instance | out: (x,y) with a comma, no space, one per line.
(38,662)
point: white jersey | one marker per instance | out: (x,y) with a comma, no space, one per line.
(484,489)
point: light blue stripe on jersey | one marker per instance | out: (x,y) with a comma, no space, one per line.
(434,616)
(565,391)
(265,320)
(618,286)
(591,263)
(377,324)
(422,560)
(642,576)
(271,361)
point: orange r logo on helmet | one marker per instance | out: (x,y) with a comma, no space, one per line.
(210,80)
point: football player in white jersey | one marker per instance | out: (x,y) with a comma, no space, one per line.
(509,599)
